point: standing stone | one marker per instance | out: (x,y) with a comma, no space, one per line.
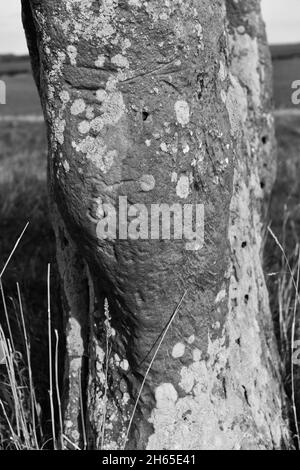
(162,102)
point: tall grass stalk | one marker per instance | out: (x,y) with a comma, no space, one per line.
(22,424)
(62,446)
(50,358)
(82,412)
(287,291)
(13,250)
(31,387)
(6,316)
(108,333)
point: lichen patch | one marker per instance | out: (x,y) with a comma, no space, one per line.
(72,53)
(178,350)
(96,151)
(78,107)
(182,111)
(120,61)
(237,106)
(100,61)
(183,187)
(147,183)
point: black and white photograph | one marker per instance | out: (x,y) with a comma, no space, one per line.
(149,228)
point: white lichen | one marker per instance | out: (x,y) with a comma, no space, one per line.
(147,183)
(72,53)
(84,127)
(174,177)
(101,95)
(100,61)
(197,355)
(182,111)
(183,187)
(191,339)
(120,61)
(164,147)
(64,96)
(237,106)
(221,296)
(66,166)
(78,107)
(178,350)
(124,364)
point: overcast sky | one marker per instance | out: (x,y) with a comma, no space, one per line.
(282,18)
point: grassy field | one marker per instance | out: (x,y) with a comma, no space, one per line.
(284,219)
(23,198)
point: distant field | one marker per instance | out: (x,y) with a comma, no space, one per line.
(286,64)
(285,51)
(286,71)
(11,65)
(22,96)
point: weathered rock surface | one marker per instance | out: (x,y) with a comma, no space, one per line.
(162,102)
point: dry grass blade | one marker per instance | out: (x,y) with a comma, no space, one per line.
(150,365)
(31,387)
(13,250)
(58,393)
(12,432)
(50,358)
(20,414)
(82,412)
(292,351)
(285,258)
(6,315)
(76,447)
(107,354)
(11,377)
